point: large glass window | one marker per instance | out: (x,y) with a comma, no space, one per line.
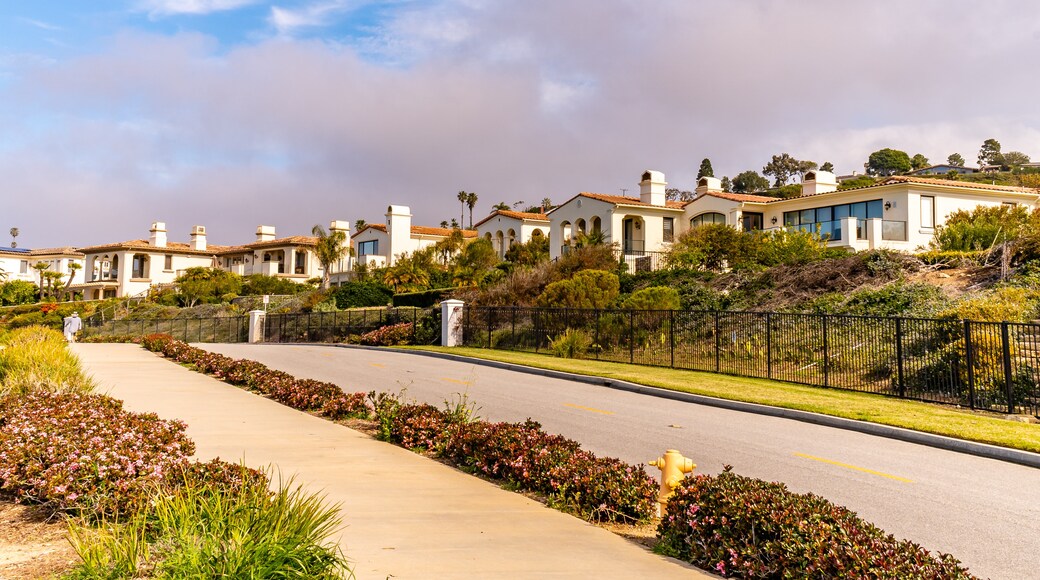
(827,220)
(368,248)
(751,221)
(927,211)
(707,218)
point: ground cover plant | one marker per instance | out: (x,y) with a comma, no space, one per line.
(36,358)
(747,528)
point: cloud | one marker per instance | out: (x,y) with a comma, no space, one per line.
(515,101)
(41,24)
(286,21)
(159,8)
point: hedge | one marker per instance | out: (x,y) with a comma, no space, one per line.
(424,299)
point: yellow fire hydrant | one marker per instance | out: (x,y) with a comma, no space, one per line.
(674,468)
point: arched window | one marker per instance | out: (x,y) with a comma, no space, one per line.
(707,218)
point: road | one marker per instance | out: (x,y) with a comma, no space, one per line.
(984,512)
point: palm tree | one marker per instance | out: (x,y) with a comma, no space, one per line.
(41,267)
(329,250)
(14,234)
(500,206)
(360,225)
(471,200)
(462,197)
(73,268)
(547,204)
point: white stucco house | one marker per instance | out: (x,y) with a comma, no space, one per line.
(378,245)
(504,228)
(17,264)
(899,212)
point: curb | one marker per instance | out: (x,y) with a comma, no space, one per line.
(985,450)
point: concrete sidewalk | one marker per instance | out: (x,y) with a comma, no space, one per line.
(406,516)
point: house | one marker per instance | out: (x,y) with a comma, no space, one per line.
(943,169)
(899,212)
(642,227)
(292,257)
(504,228)
(132,267)
(378,245)
(18,264)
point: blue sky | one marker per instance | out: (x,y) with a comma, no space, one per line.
(236,113)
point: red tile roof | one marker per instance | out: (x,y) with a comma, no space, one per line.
(170,248)
(420,231)
(519,215)
(955,183)
(289,241)
(742,196)
(625,200)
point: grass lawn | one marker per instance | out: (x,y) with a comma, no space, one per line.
(927,417)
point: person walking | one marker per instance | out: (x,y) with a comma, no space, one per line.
(72,325)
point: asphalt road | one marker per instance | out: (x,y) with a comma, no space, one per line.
(984,512)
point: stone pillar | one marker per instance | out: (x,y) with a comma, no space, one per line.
(256,326)
(451,322)
(875,233)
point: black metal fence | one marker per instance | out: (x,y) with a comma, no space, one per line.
(982,365)
(344,325)
(217,329)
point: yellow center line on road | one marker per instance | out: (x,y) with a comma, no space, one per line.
(378,365)
(456,381)
(589,409)
(854,468)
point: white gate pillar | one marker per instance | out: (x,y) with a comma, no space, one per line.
(451,322)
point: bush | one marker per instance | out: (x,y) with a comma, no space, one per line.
(653,298)
(206,530)
(37,358)
(206,285)
(393,335)
(423,299)
(708,247)
(84,454)
(260,284)
(587,289)
(983,227)
(361,294)
(573,343)
(748,528)
(1003,304)
(17,292)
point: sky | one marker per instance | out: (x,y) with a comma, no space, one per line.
(236,113)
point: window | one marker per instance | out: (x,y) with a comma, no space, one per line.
(827,220)
(23,268)
(139,266)
(368,248)
(301,262)
(168,263)
(751,221)
(706,219)
(669,229)
(927,211)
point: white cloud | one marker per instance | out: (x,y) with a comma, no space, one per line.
(41,24)
(158,8)
(287,21)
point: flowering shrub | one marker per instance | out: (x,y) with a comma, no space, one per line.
(393,335)
(84,453)
(110,338)
(529,458)
(748,528)
(320,397)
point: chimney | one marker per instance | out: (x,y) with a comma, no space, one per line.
(198,238)
(651,188)
(399,230)
(708,184)
(340,226)
(817,181)
(157,238)
(264,233)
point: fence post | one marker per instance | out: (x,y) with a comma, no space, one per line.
(769,345)
(969,354)
(826,358)
(1009,388)
(512,328)
(256,326)
(671,335)
(631,336)
(415,320)
(490,324)
(718,345)
(899,357)
(537,329)
(596,336)
(452,312)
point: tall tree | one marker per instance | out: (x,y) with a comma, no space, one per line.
(14,234)
(727,185)
(955,159)
(888,162)
(462,197)
(749,181)
(501,206)
(705,169)
(471,201)
(918,161)
(676,194)
(827,166)
(989,152)
(547,204)
(41,267)
(360,225)
(806,166)
(330,249)
(444,224)
(1012,160)
(782,167)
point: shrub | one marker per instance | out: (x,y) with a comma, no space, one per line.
(708,247)
(392,335)
(206,285)
(37,358)
(748,528)
(572,343)
(203,530)
(983,227)
(1003,304)
(587,289)
(16,292)
(423,299)
(259,284)
(84,453)
(361,294)
(653,298)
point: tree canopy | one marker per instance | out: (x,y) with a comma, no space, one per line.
(918,161)
(888,162)
(782,167)
(955,159)
(705,169)
(827,166)
(749,181)
(989,152)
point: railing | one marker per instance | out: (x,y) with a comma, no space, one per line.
(217,329)
(633,247)
(346,325)
(893,231)
(980,365)
(641,261)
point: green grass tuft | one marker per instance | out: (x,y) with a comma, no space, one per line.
(37,358)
